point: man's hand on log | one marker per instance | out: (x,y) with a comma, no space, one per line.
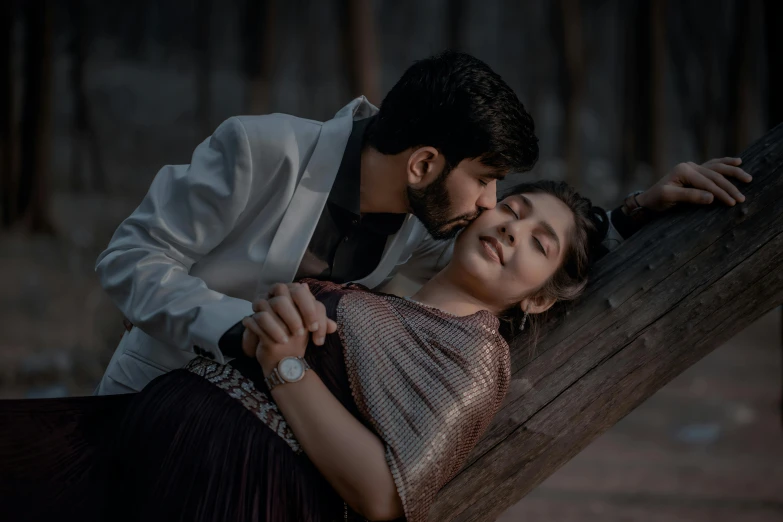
(696,184)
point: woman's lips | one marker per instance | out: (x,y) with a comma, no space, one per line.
(493,248)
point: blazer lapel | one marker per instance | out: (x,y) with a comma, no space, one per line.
(301,217)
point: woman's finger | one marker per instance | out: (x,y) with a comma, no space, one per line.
(272,327)
(331,326)
(257,304)
(319,335)
(286,311)
(731,191)
(306,304)
(249,323)
(279,290)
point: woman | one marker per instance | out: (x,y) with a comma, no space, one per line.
(393,401)
(396,398)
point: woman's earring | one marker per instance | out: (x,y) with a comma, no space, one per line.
(524,320)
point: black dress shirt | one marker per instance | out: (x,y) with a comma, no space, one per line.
(346,245)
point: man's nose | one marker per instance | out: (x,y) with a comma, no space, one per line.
(489,197)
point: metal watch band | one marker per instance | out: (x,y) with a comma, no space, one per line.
(275,379)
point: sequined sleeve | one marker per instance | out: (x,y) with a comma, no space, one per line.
(429,383)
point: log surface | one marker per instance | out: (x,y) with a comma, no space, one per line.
(664,299)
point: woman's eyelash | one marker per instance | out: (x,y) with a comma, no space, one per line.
(511,210)
(540,246)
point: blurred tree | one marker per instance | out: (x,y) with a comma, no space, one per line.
(636,92)
(33,194)
(360,50)
(455,14)
(7,135)
(773,17)
(658,89)
(643,96)
(738,83)
(574,66)
(201,44)
(258,51)
(84,137)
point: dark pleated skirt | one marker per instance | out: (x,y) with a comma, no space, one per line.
(50,456)
(181,450)
(187,451)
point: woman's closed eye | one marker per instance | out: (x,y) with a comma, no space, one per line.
(537,244)
(511,210)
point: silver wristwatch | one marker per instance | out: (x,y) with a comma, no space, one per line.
(289,369)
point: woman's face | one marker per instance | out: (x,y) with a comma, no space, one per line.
(510,251)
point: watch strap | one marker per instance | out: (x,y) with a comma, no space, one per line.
(275,379)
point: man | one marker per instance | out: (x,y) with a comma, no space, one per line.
(269,199)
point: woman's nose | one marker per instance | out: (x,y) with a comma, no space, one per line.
(505,231)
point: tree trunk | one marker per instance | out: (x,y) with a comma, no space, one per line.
(455,14)
(738,87)
(574,67)
(202,35)
(7,135)
(658,90)
(360,52)
(258,46)
(773,15)
(667,297)
(636,96)
(84,137)
(33,195)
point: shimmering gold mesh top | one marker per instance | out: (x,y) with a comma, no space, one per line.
(428,382)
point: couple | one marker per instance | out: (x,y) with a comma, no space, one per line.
(327,399)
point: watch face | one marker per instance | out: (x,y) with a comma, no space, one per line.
(291,369)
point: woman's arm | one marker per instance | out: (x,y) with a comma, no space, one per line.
(351,457)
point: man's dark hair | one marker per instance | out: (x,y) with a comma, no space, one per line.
(459,105)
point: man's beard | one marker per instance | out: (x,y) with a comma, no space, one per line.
(432,205)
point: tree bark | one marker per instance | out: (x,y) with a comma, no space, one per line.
(667,297)
(33,195)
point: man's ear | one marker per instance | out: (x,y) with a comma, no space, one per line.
(424,166)
(537,304)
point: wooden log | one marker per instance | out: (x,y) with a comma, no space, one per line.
(660,302)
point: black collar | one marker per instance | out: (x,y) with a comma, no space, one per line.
(345,191)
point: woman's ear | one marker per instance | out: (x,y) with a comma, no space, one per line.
(537,304)
(424,165)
